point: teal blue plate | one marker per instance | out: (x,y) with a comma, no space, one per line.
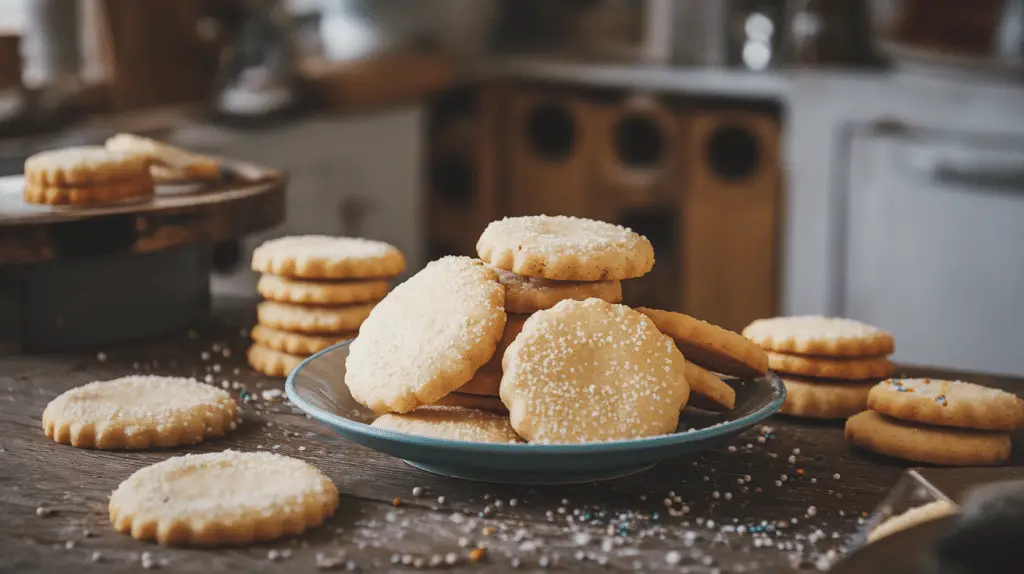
(317,386)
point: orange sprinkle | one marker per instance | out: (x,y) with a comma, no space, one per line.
(396,502)
(477,554)
(800,471)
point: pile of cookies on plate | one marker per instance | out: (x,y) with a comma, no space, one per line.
(530,343)
(318,290)
(828,364)
(126,168)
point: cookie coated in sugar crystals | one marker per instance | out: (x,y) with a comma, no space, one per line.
(817,335)
(948,403)
(327,257)
(452,423)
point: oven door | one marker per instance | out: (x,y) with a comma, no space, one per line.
(934,248)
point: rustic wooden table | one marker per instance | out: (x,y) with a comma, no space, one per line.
(782,497)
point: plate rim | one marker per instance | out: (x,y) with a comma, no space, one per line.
(607,447)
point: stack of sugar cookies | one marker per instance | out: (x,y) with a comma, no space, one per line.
(934,421)
(318,290)
(828,364)
(535,330)
(87,176)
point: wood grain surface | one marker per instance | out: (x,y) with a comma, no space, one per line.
(620,525)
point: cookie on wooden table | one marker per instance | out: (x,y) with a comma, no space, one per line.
(309,292)
(711,346)
(707,387)
(451,423)
(296,343)
(530,294)
(320,319)
(84,167)
(926,443)
(95,194)
(326,257)
(948,403)
(427,337)
(222,498)
(591,370)
(272,363)
(139,411)
(565,248)
(816,335)
(822,399)
(847,369)
(168,163)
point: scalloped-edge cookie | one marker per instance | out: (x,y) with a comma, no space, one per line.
(295,343)
(851,369)
(168,163)
(816,399)
(313,320)
(817,335)
(590,371)
(531,294)
(272,363)
(96,194)
(925,443)
(308,292)
(913,517)
(565,248)
(948,403)
(139,411)
(451,423)
(328,257)
(710,346)
(708,389)
(84,166)
(427,337)
(222,498)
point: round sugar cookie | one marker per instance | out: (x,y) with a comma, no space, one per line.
(711,346)
(168,163)
(913,517)
(84,166)
(327,257)
(925,443)
(451,423)
(313,320)
(819,399)
(707,387)
(948,403)
(565,248)
(847,369)
(139,411)
(222,498)
(306,292)
(471,401)
(427,337)
(590,370)
(96,194)
(272,363)
(530,294)
(295,343)
(816,335)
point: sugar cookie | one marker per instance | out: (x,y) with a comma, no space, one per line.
(819,399)
(924,443)
(459,399)
(139,411)
(84,166)
(591,370)
(99,193)
(168,163)
(706,387)
(948,403)
(913,517)
(816,335)
(307,292)
(711,346)
(854,369)
(326,257)
(530,294)
(565,248)
(427,337)
(222,498)
(313,319)
(272,363)
(451,423)
(295,343)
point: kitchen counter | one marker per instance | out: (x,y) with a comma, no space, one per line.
(794,490)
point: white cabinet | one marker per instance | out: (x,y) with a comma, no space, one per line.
(934,246)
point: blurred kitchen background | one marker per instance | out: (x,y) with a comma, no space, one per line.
(855,158)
